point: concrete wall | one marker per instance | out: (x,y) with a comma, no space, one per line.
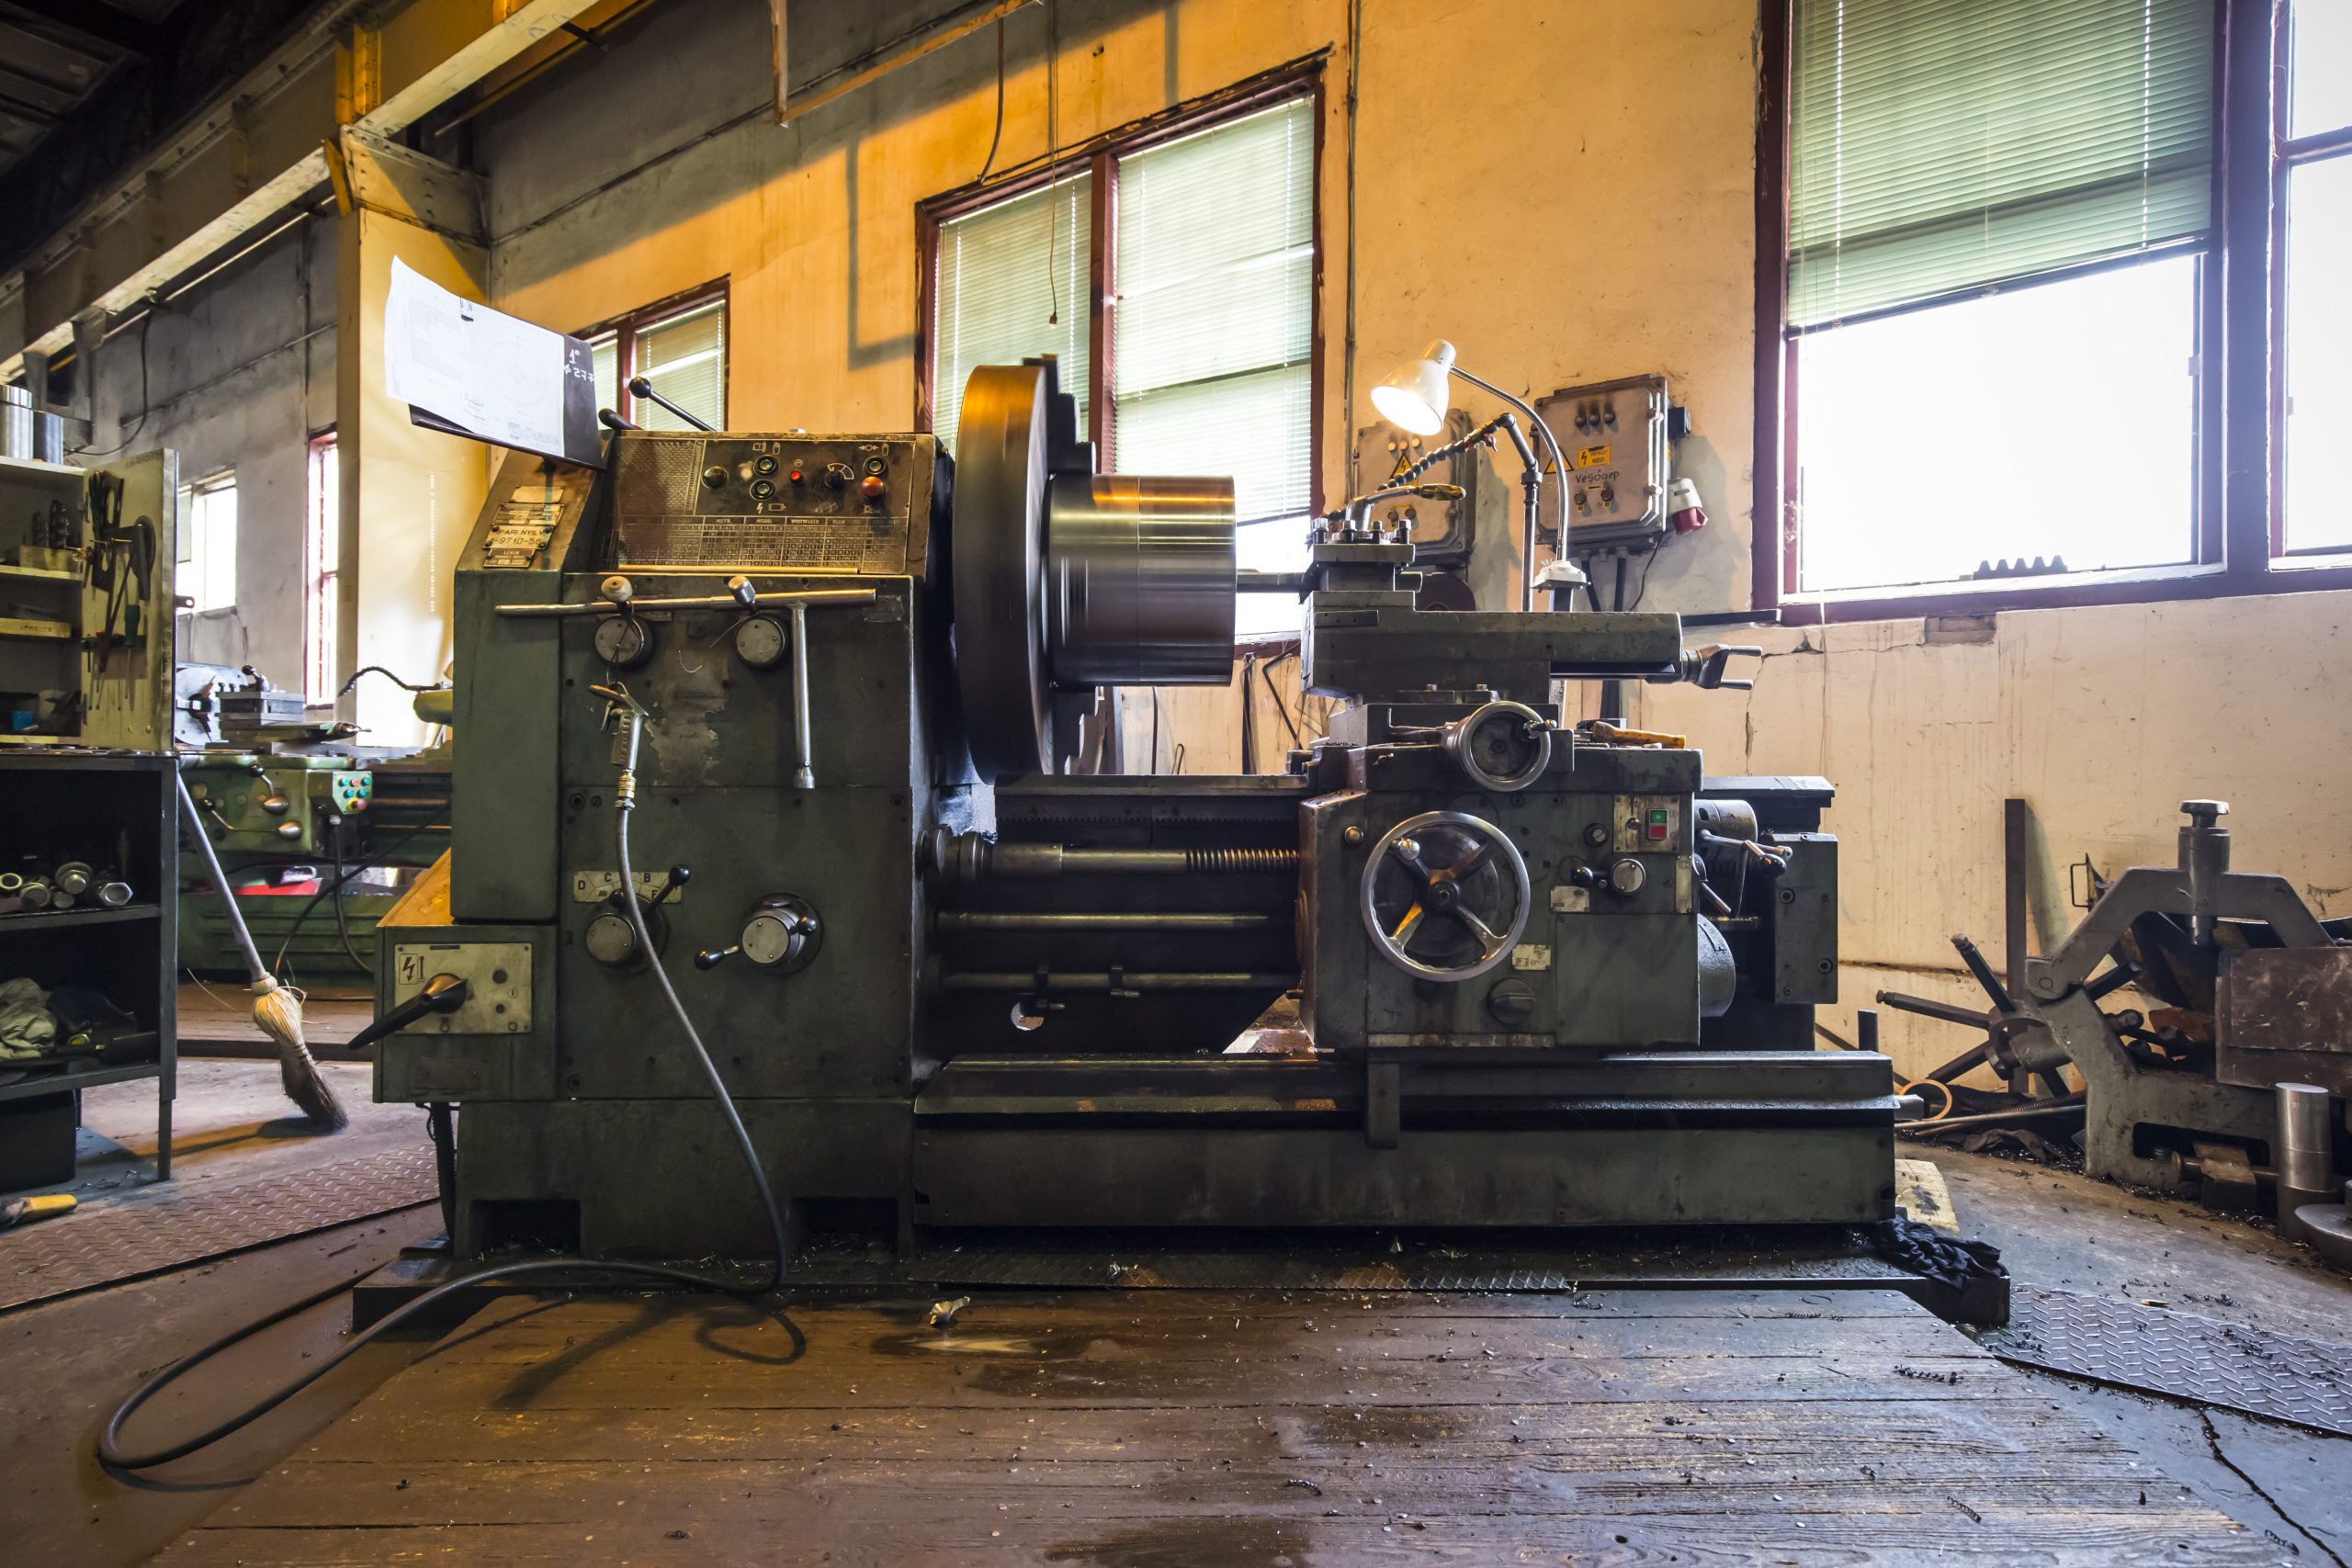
(238,373)
(1564,188)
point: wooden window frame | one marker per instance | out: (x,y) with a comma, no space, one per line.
(1298,80)
(322,523)
(625,328)
(2239,500)
(2288,154)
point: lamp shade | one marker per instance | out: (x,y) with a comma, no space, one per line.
(1414,396)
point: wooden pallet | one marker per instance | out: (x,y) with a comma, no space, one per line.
(1178,1427)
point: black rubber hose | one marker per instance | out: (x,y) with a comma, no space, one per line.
(568,1270)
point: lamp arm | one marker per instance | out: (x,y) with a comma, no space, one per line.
(1559,473)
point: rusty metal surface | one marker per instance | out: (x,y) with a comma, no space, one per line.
(2204,1359)
(2285,1014)
(124,1241)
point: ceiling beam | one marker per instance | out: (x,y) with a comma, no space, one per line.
(92,20)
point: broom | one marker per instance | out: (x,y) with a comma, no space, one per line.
(278,1012)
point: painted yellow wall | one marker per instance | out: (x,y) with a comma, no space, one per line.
(1562,187)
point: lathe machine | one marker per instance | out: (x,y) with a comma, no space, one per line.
(1547,980)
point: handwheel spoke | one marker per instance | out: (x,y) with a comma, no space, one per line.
(1412,917)
(1464,867)
(1489,938)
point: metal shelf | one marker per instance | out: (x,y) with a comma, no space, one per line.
(43,1082)
(79,916)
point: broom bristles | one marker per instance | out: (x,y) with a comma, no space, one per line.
(278,1014)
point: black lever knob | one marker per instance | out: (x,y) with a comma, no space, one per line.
(712,957)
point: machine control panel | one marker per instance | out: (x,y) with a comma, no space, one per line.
(1613,434)
(499,976)
(858,504)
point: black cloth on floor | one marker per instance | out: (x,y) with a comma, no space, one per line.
(1929,1253)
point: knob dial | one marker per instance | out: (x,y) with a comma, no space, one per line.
(760,642)
(624,642)
(1627,876)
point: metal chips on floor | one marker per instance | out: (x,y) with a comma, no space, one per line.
(123,1241)
(2306,1382)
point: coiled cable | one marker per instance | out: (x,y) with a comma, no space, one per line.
(565,1270)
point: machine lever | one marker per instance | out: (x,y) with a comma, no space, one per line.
(805,776)
(639,387)
(443,993)
(712,957)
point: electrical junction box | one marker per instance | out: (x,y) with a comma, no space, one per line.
(1620,463)
(1443,531)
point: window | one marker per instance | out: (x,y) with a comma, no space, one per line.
(1998,225)
(1185,329)
(206,569)
(2061,290)
(679,344)
(321,557)
(2315,159)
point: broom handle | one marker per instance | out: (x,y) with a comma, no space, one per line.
(219,879)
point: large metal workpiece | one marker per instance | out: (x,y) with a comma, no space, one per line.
(1503,975)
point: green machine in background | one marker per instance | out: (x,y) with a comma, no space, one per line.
(318,836)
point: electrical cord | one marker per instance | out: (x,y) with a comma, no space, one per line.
(110,1449)
(343,916)
(996,139)
(386,674)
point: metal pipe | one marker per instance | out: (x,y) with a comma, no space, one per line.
(706,602)
(952,921)
(2040,1108)
(1172,981)
(804,777)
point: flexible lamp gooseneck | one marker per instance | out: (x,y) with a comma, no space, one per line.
(1414,398)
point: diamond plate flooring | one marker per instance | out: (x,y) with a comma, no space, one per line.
(128,1240)
(2307,1382)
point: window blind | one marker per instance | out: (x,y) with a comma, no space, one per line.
(604,360)
(685,358)
(1212,327)
(1943,145)
(1011,284)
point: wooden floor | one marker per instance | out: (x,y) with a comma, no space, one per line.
(1167,1428)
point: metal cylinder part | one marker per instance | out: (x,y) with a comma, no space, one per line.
(1139,586)
(2303,1153)
(35,893)
(948,922)
(1718,971)
(1725,819)
(70,877)
(113,895)
(1067,580)
(1189,980)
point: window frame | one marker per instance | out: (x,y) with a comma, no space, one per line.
(2238,501)
(192,494)
(322,582)
(623,329)
(2287,153)
(1300,80)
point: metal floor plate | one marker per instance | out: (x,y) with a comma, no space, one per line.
(2306,1382)
(124,1241)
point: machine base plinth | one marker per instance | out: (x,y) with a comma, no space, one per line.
(1795,1259)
